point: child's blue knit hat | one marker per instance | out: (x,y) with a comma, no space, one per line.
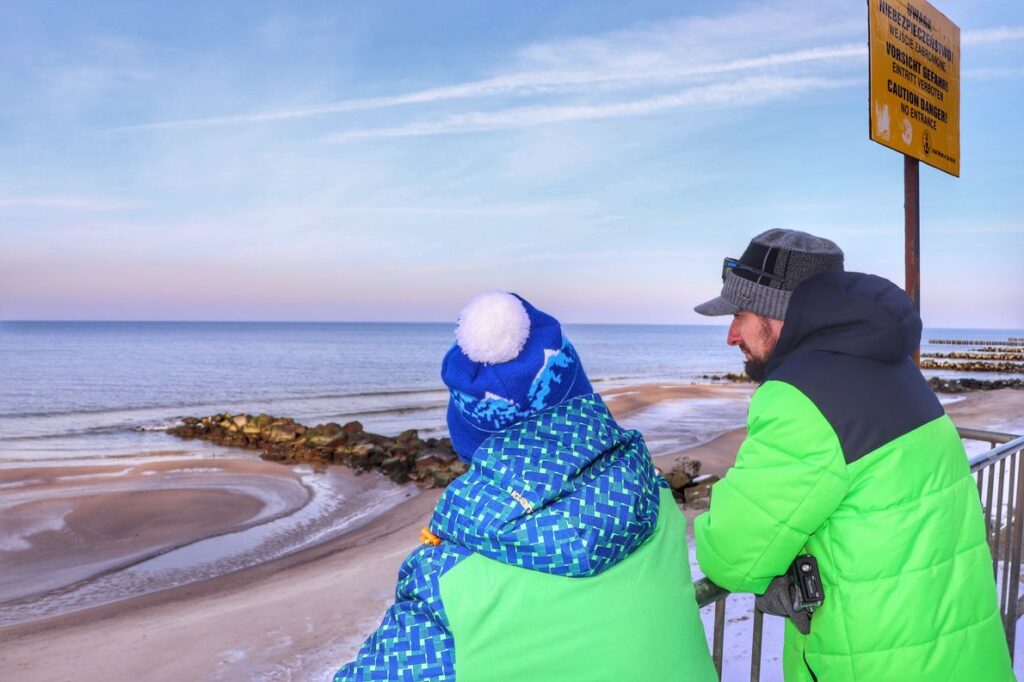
(509,361)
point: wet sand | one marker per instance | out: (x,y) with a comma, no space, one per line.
(1001,410)
(626,401)
(78,537)
(66,524)
(301,616)
(715,455)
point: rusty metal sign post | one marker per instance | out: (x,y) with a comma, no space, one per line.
(912,233)
(914,103)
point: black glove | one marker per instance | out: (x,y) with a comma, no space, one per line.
(778,600)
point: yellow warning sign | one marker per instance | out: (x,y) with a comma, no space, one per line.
(915,81)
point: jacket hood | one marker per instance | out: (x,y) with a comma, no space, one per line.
(849,313)
(566,491)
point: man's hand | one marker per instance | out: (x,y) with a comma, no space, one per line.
(778,600)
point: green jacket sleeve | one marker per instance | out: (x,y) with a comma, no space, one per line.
(789,477)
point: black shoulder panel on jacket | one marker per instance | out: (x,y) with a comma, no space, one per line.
(867,402)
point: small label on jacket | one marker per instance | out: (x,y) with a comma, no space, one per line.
(522,500)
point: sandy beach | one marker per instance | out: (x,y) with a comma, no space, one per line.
(296,617)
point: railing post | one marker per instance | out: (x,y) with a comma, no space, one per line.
(719,638)
(755,648)
(1011,496)
(981,496)
(1018,529)
(988,514)
(998,520)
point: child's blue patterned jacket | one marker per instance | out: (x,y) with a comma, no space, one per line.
(563,557)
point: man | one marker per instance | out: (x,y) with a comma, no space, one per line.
(560,556)
(850,458)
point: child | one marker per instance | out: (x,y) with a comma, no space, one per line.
(560,555)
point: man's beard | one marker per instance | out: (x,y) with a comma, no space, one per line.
(756,366)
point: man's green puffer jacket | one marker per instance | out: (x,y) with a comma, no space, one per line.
(851,458)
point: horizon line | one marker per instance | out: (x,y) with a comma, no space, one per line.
(453,323)
(430,322)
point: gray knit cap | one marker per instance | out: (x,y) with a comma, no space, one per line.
(774,264)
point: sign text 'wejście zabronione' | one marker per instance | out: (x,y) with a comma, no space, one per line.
(915,81)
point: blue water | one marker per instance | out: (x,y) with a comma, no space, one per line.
(67,388)
(71,388)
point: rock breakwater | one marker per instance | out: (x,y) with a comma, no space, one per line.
(1003,357)
(975,366)
(967,384)
(406,457)
(430,463)
(728,376)
(977,355)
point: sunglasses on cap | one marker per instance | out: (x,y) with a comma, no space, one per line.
(733,264)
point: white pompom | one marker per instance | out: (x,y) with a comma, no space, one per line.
(493,327)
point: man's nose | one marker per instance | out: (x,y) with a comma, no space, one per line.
(734,339)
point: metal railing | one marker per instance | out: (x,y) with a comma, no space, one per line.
(1001,497)
(1004,526)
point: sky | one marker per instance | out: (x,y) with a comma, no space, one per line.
(386,160)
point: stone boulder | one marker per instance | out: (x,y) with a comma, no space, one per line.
(682,473)
(698,494)
(687,485)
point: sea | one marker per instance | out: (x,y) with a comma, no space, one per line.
(72,390)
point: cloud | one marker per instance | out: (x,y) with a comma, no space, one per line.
(989,36)
(670,52)
(499,209)
(975,228)
(65,203)
(992,74)
(742,93)
(88,69)
(525,84)
(780,27)
(689,51)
